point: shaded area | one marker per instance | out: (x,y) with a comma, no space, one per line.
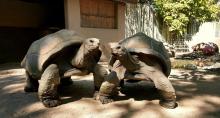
(12,96)
(193,75)
(143,90)
(77,91)
(200,88)
(198,98)
(12,44)
(24,21)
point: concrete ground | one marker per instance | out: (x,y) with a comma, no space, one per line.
(198,95)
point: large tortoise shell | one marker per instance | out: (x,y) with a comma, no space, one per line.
(144,46)
(43,50)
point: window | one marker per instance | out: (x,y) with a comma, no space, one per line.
(98,14)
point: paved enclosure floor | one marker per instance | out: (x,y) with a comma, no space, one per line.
(198,96)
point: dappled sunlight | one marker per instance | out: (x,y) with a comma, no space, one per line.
(138,109)
(203,87)
(122,109)
(211,77)
(11,79)
(196,98)
(11,72)
(202,101)
(30,108)
(201,105)
(79,89)
(194,75)
(13,98)
(191,89)
(12,88)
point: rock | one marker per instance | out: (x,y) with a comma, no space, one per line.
(190,66)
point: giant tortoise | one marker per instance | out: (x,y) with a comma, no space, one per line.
(139,57)
(54,58)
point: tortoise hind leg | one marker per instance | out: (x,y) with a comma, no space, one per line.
(166,91)
(47,92)
(31,83)
(164,87)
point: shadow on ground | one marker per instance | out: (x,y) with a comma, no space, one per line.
(197,93)
(76,91)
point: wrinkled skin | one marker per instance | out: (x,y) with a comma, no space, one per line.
(127,66)
(59,72)
(49,82)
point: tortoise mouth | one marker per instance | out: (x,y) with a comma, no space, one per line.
(114,54)
(93,47)
(117,54)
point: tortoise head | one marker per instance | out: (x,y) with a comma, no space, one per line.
(118,50)
(92,44)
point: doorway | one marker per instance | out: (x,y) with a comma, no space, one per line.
(24,21)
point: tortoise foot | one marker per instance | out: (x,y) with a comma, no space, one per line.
(95,95)
(170,104)
(105,99)
(51,103)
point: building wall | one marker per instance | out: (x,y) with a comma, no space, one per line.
(72,21)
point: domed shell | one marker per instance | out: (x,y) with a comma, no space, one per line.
(144,46)
(42,50)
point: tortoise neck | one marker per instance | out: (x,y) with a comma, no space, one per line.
(77,58)
(83,57)
(129,62)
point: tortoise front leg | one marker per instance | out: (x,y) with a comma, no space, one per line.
(31,83)
(49,82)
(108,88)
(99,74)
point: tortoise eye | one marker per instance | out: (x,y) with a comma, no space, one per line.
(118,47)
(91,41)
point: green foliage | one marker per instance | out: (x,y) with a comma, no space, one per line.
(177,14)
